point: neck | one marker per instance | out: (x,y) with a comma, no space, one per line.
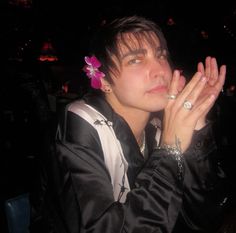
(137,124)
(136,119)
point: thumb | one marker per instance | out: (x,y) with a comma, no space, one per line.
(174,85)
(182,82)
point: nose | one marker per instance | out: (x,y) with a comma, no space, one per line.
(157,68)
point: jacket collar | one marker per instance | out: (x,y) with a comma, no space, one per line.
(121,128)
(123,134)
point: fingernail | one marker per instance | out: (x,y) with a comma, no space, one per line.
(212,97)
(176,72)
(203,79)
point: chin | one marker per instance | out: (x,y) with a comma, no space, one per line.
(158,105)
(156,108)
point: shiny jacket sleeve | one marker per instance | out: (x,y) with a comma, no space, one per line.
(205,184)
(85,195)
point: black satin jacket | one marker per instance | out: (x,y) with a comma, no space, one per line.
(77,194)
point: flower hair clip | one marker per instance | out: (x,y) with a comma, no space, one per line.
(92,71)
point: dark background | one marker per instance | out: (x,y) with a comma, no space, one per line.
(32,93)
(68,25)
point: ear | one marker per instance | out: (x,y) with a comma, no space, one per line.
(106,87)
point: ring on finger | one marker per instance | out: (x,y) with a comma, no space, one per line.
(187,105)
(171,96)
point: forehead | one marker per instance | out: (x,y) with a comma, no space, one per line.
(133,41)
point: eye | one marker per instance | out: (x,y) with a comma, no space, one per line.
(134,61)
(162,57)
(162,54)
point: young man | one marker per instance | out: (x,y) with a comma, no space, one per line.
(116,168)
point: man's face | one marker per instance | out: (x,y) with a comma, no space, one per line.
(144,77)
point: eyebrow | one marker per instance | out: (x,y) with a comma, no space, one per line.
(140,51)
(159,49)
(134,52)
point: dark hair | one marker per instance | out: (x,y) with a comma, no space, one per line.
(106,40)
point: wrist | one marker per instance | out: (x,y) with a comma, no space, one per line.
(176,152)
(171,149)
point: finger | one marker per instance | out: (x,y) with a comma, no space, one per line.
(214,72)
(221,80)
(201,108)
(200,68)
(194,94)
(219,85)
(222,75)
(190,86)
(182,82)
(173,89)
(208,67)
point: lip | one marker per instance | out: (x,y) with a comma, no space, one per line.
(158,89)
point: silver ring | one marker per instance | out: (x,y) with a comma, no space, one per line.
(187,105)
(171,97)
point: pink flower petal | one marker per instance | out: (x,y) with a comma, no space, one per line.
(87,60)
(85,69)
(99,74)
(96,83)
(91,70)
(94,62)
(90,75)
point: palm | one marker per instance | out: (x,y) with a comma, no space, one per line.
(215,79)
(214,76)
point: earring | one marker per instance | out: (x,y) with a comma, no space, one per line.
(107,90)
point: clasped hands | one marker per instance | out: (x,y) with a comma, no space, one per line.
(189,104)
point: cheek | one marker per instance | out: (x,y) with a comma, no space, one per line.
(127,90)
(127,83)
